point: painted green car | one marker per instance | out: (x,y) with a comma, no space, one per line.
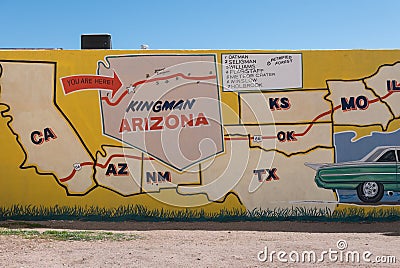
(371,176)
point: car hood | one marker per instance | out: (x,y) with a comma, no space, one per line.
(317,166)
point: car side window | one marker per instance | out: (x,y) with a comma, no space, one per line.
(389,156)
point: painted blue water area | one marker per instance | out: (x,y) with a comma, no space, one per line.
(350,196)
(347,150)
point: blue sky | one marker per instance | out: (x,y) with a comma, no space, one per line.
(203,24)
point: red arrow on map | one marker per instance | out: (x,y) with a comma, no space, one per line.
(86,82)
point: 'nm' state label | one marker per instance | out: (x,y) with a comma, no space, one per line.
(248,72)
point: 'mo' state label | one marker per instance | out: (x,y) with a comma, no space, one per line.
(168,107)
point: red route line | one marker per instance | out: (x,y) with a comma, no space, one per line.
(69,177)
(72,174)
(334,109)
(107,100)
(117,101)
(314,120)
(384,97)
(235,138)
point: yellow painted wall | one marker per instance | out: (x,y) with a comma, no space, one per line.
(26,187)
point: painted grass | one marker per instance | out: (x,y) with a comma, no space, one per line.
(69,235)
(141,213)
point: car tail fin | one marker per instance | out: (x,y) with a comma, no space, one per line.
(314,166)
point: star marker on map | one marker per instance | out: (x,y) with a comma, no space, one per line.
(131,89)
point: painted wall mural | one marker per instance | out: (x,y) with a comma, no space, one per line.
(199,134)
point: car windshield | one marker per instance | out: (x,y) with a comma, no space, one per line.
(374,155)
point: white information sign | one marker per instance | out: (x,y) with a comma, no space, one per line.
(249,72)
